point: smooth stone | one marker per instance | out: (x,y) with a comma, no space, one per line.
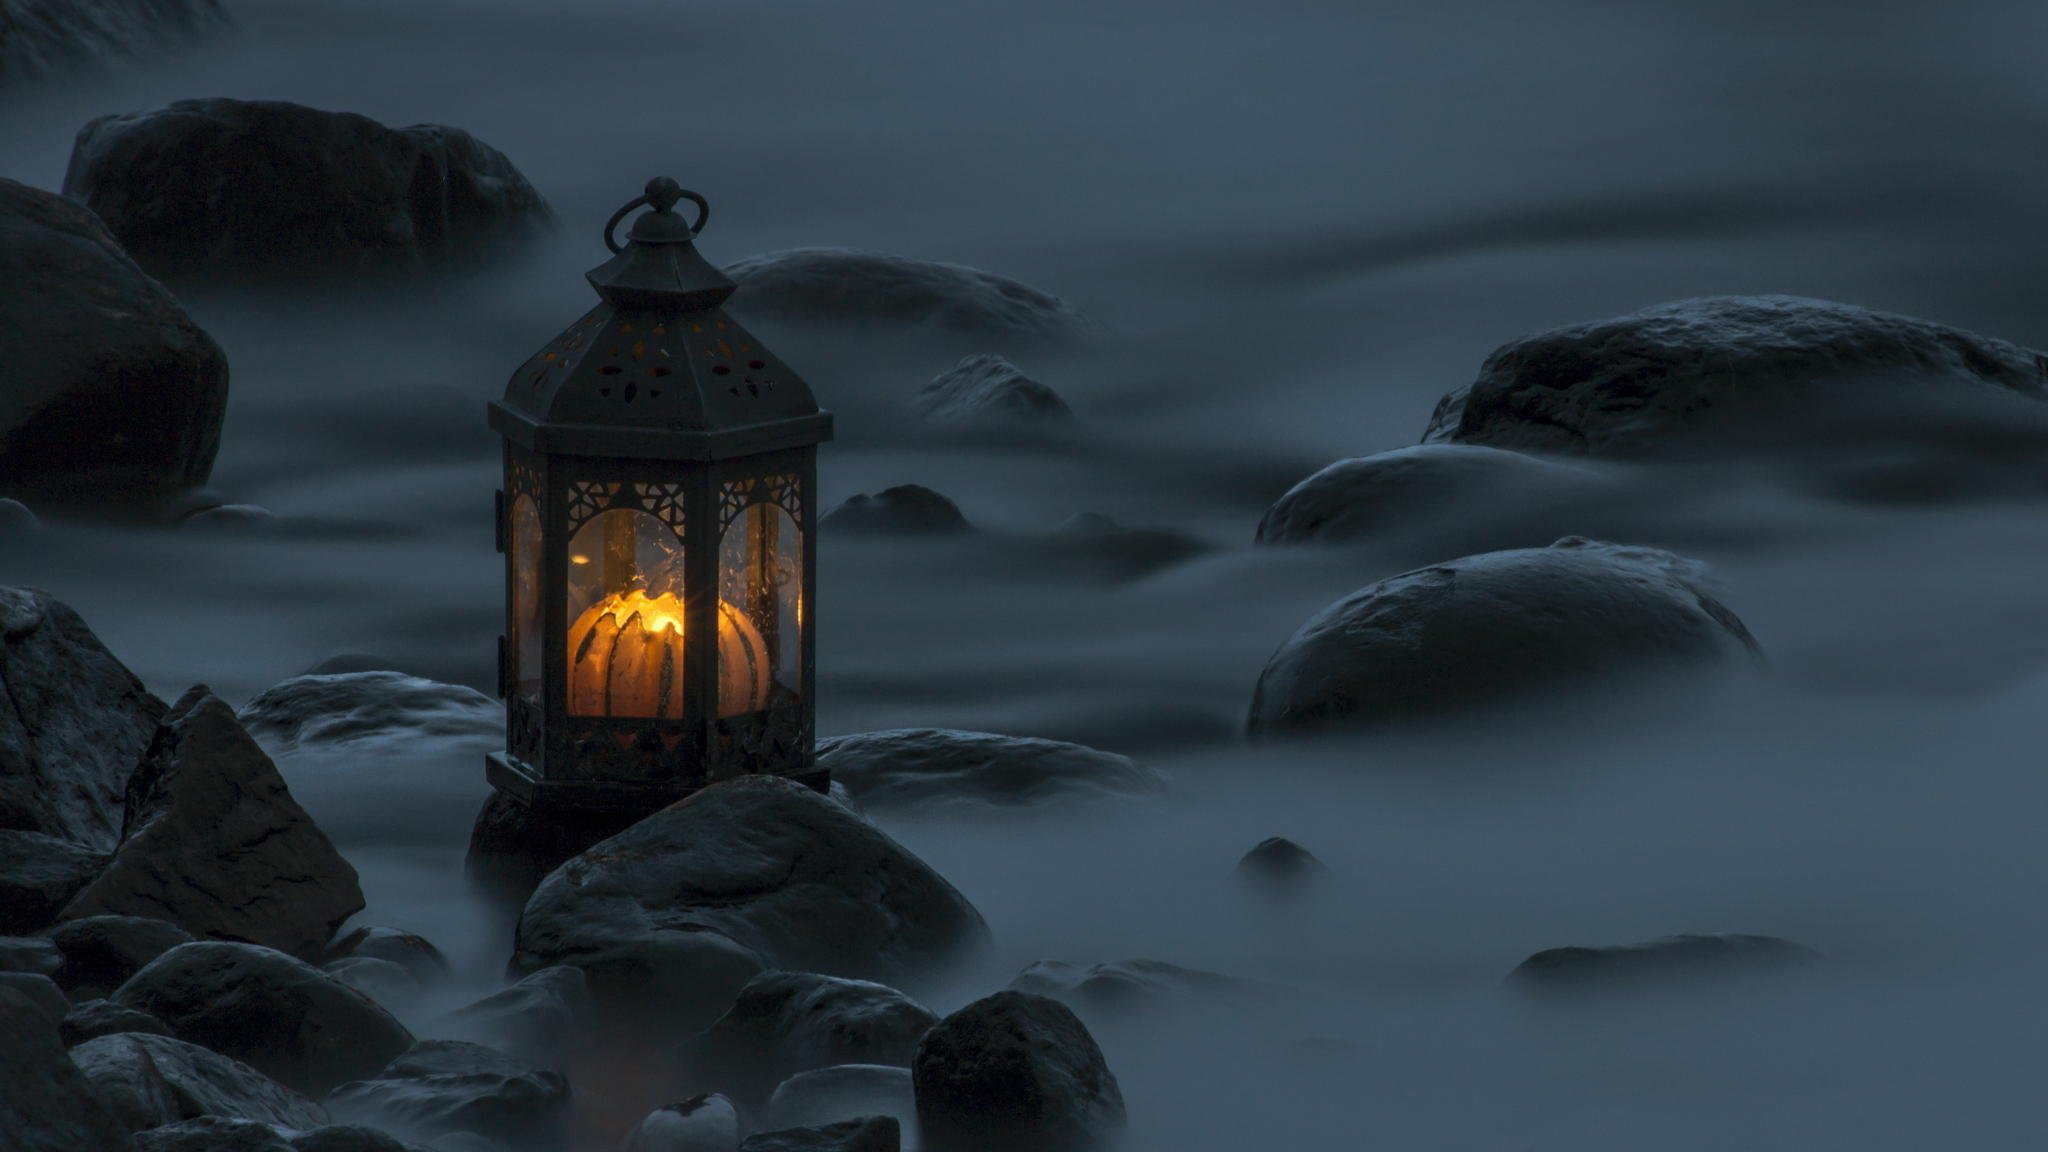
(46,1103)
(150,1081)
(699,1124)
(783,1023)
(540,1019)
(865,1134)
(1126,987)
(391,985)
(1369,497)
(904,510)
(40,991)
(987,392)
(842,286)
(446,1086)
(338,709)
(1014,1072)
(102,952)
(93,1019)
(1279,866)
(1674,960)
(941,769)
(16,517)
(31,954)
(212,1134)
(843,1092)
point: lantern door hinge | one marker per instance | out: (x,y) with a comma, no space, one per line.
(504,679)
(498,518)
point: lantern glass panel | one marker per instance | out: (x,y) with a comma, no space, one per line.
(625,614)
(760,574)
(526,606)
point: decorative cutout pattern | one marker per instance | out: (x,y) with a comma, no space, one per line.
(589,497)
(665,502)
(522,479)
(782,489)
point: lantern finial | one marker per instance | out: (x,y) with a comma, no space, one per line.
(661,226)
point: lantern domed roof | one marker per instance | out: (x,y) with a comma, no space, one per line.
(658,368)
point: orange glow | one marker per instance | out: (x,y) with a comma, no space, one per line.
(626,659)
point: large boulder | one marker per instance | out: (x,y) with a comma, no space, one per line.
(102,952)
(1523,500)
(539,1019)
(150,1081)
(230,187)
(783,1023)
(842,1092)
(39,875)
(1014,1072)
(447,1086)
(1487,628)
(215,843)
(985,392)
(943,768)
(74,725)
(344,708)
(863,1134)
(46,1103)
(753,873)
(1716,958)
(283,1016)
(47,36)
(113,396)
(842,286)
(1724,364)
(903,510)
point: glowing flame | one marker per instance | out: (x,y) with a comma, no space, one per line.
(626,659)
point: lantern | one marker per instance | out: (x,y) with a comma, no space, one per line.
(657,521)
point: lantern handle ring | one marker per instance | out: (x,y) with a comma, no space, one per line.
(662,194)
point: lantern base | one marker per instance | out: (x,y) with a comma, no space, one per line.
(517,780)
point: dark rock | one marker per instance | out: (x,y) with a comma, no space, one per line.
(840,286)
(843,1092)
(390,985)
(75,724)
(512,847)
(1672,960)
(342,708)
(290,1020)
(229,517)
(783,1023)
(46,1103)
(102,952)
(866,1134)
(39,875)
(212,1134)
(409,950)
(538,1019)
(15,517)
(699,1124)
(942,768)
(1527,501)
(906,509)
(114,396)
(1128,986)
(988,392)
(40,991)
(1718,365)
(266,188)
(1487,628)
(349,1138)
(95,1018)
(215,843)
(150,1081)
(757,872)
(31,954)
(1014,1071)
(45,37)
(1278,865)
(444,1086)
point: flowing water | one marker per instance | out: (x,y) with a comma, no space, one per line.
(1298,222)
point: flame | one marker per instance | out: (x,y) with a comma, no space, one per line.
(626,658)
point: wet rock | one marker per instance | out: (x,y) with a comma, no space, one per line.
(409,950)
(1672,960)
(986,392)
(1491,627)
(757,872)
(1278,865)
(15,517)
(1748,365)
(1127,986)
(783,1023)
(512,847)
(45,38)
(77,724)
(102,952)
(341,708)
(95,1018)
(285,1017)
(237,188)
(215,843)
(114,397)
(943,768)
(389,984)
(1526,501)
(446,1086)
(349,1138)
(1014,1071)
(905,510)
(46,1103)
(866,1134)
(538,1019)
(841,286)
(149,1081)
(843,1092)
(212,1134)
(31,954)
(40,991)
(39,875)
(699,1124)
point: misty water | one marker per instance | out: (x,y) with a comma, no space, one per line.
(1297,223)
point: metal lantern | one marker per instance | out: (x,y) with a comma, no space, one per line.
(658,521)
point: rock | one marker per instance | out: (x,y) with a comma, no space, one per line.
(1368,497)
(229,516)
(987,392)
(76,723)
(215,843)
(31,954)
(943,768)
(409,950)
(446,1086)
(40,991)
(40,874)
(1491,627)
(843,1092)
(1672,960)
(699,1124)
(348,1138)
(265,188)
(341,709)
(150,1081)
(102,952)
(44,37)
(95,1018)
(512,847)
(750,873)
(390,985)
(1720,364)
(285,1017)
(46,1103)
(1279,866)
(114,397)
(538,1019)
(1128,986)
(15,517)
(840,286)
(866,1134)
(212,1134)
(905,510)
(783,1023)
(1014,1071)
